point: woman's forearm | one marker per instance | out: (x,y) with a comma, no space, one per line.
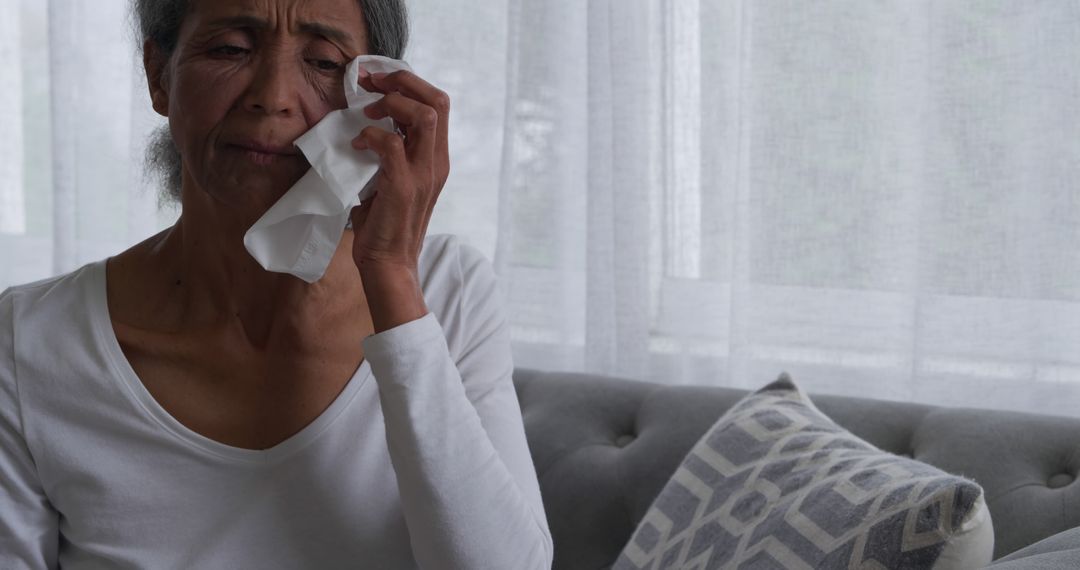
(467,485)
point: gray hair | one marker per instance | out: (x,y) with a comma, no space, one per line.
(159,21)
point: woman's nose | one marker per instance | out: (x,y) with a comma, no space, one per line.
(273,88)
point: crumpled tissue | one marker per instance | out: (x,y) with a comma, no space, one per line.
(301,231)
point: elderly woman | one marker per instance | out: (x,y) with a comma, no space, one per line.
(177,406)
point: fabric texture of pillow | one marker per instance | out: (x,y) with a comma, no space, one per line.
(776,484)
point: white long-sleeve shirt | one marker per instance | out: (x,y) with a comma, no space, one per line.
(420,462)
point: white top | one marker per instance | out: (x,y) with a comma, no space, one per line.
(420,462)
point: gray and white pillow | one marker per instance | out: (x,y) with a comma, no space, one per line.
(776,484)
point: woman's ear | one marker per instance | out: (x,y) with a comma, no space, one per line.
(156,65)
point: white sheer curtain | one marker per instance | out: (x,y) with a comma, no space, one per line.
(74,119)
(881,198)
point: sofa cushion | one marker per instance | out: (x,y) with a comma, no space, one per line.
(775,482)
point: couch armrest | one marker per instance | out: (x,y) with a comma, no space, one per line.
(1058,552)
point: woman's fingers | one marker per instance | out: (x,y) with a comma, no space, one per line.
(411,85)
(412,170)
(419,121)
(391,150)
(367,84)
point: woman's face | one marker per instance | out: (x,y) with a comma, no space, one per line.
(248,78)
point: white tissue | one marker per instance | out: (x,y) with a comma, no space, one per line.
(301,231)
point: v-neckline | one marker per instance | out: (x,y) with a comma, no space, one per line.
(98,304)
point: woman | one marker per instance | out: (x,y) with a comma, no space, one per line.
(176,406)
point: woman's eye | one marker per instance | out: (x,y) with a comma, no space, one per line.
(325,64)
(229,50)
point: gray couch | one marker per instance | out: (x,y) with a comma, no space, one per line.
(604,447)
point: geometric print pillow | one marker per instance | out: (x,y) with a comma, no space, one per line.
(776,484)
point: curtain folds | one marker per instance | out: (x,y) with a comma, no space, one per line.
(879,198)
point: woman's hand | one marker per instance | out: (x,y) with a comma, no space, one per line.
(389,227)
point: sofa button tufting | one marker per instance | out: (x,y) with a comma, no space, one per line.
(1060,480)
(624,440)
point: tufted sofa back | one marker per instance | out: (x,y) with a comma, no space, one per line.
(604,447)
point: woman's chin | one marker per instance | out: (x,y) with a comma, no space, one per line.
(249,189)
(253,194)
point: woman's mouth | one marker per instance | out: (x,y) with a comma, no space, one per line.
(264,154)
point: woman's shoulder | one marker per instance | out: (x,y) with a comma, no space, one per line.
(44,314)
(458,282)
(50,300)
(449,262)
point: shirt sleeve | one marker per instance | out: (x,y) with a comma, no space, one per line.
(29,526)
(455,435)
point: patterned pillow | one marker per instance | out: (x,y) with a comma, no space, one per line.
(776,484)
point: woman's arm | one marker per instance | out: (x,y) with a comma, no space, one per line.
(456,438)
(454,430)
(29,526)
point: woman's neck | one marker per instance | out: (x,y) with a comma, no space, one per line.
(197,276)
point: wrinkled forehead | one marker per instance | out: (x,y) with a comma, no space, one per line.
(339,21)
